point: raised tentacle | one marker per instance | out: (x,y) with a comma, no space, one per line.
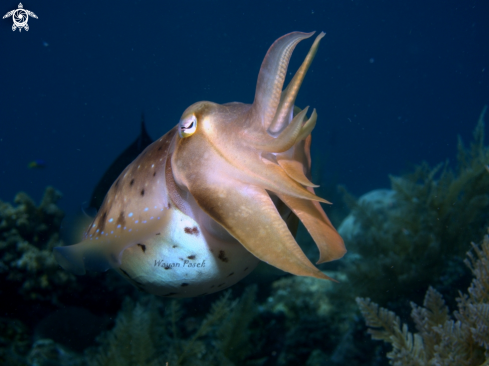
(272,75)
(287,101)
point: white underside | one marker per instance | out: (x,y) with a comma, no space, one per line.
(186,259)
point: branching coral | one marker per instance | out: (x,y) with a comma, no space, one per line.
(440,340)
(27,236)
(423,234)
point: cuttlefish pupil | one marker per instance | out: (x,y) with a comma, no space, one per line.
(187,126)
(234,183)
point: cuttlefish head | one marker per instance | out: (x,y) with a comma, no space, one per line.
(240,162)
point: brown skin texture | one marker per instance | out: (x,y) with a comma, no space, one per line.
(229,169)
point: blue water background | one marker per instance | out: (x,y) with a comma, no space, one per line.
(394,82)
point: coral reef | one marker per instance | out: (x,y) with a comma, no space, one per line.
(27,236)
(311,324)
(440,339)
(46,352)
(294,296)
(399,240)
(33,285)
(14,341)
(144,334)
(418,232)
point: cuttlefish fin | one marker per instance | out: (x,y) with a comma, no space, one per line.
(101,252)
(312,215)
(91,255)
(248,213)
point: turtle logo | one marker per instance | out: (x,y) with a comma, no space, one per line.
(20,17)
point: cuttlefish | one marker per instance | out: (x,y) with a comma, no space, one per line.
(197,210)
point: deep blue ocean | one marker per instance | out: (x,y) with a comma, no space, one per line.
(394,82)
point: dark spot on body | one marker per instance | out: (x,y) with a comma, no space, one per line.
(192,231)
(221,285)
(101,222)
(184,284)
(117,182)
(121,219)
(159,149)
(132,182)
(154,173)
(229,275)
(222,256)
(143,247)
(169,205)
(158,234)
(142,192)
(246,269)
(174,246)
(191,257)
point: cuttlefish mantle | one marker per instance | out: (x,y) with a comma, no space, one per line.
(223,189)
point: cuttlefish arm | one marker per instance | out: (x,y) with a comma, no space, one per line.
(228,160)
(272,75)
(318,225)
(248,213)
(256,224)
(311,213)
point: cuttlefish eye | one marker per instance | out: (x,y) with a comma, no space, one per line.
(187,126)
